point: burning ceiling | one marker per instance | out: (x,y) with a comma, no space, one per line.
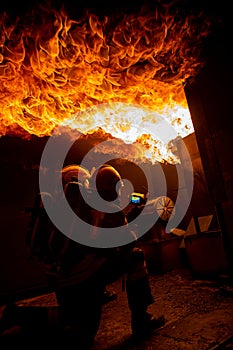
(55,66)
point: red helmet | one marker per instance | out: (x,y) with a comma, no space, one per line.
(75,172)
(105,179)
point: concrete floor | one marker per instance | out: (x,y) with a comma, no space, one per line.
(199,315)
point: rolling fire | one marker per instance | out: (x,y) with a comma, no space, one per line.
(54,68)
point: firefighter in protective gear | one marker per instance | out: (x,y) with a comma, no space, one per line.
(128,261)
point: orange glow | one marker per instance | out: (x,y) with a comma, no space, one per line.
(53,67)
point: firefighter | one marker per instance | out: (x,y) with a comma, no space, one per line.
(80,300)
(128,260)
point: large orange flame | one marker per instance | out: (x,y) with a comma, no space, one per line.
(53,67)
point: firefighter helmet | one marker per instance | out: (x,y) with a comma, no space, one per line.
(106,178)
(75,172)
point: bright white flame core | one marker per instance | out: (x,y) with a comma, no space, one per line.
(134,124)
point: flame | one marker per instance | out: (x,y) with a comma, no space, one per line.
(53,67)
(131,124)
